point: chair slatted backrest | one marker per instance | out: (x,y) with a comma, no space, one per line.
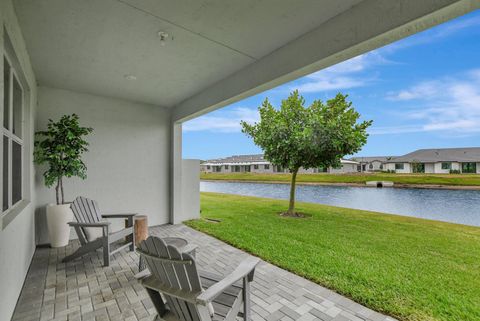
(86,210)
(176,270)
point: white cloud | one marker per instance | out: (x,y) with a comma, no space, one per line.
(435,34)
(425,89)
(390,130)
(329,83)
(223,121)
(448,104)
(344,75)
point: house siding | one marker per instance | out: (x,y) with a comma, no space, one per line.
(345,168)
(406,167)
(17,240)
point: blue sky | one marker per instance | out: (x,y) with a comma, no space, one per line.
(421,92)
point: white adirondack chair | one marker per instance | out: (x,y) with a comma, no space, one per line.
(191,295)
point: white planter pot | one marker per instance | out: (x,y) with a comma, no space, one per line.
(57,218)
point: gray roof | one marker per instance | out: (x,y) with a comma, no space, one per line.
(369,159)
(469,154)
(243,159)
(239,159)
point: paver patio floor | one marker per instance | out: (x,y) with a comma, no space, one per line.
(85,290)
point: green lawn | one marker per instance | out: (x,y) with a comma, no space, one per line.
(428,179)
(409,268)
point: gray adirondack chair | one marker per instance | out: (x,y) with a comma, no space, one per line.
(94,232)
(190,294)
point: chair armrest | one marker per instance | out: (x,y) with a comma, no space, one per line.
(142,274)
(189,248)
(246,267)
(152,283)
(98,224)
(119,215)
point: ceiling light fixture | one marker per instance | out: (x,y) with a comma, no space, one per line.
(130,77)
(163,37)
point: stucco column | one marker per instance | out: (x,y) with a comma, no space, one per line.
(175,172)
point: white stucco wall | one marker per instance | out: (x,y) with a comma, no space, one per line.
(17,241)
(128,158)
(438,168)
(478,168)
(190,190)
(430,168)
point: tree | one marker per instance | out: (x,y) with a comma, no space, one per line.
(61,147)
(317,136)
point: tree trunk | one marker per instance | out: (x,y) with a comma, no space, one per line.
(291,205)
(61,190)
(57,194)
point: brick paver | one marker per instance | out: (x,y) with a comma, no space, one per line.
(85,290)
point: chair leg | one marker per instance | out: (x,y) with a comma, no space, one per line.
(246,299)
(130,224)
(106,251)
(82,250)
(157,301)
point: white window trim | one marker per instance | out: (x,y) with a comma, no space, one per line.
(13,209)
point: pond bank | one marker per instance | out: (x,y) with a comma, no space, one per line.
(395,185)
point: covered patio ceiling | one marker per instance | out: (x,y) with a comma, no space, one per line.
(216,51)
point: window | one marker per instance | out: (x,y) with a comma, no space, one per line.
(469,167)
(255,166)
(370,166)
(226,166)
(399,166)
(381,166)
(266,166)
(217,169)
(236,168)
(418,167)
(322,169)
(12,133)
(446,165)
(208,166)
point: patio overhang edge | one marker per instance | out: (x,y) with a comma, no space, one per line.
(367,26)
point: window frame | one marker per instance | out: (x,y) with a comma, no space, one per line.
(266,166)
(469,167)
(448,167)
(255,166)
(12,137)
(399,166)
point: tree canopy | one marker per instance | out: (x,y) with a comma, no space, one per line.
(61,147)
(319,135)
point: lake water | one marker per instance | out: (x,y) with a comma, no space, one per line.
(457,206)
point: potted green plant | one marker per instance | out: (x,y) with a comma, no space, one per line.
(60,147)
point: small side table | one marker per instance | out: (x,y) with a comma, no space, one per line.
(140,225)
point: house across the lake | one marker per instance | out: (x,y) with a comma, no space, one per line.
(372,163)
(438,161)
(258,164)
(433,161)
